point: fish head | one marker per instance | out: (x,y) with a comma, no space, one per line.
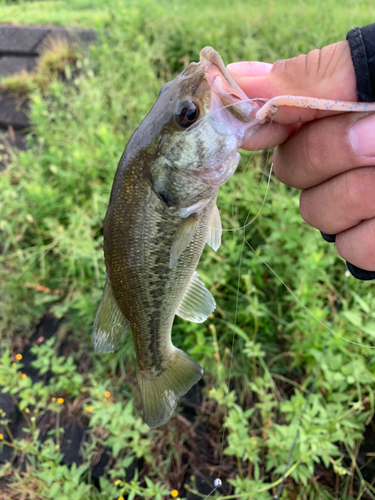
(195,127)
(211,117)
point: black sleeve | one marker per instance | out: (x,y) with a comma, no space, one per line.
(362,49)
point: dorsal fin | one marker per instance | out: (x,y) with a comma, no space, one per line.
(197,303)
(110,324)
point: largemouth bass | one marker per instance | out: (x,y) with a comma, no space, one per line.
(161,213)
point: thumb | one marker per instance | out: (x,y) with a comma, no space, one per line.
(327,73)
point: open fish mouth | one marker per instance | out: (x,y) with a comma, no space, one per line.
(226,89)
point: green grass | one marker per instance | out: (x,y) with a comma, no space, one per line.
(54,198)
(78,13)
(57,60)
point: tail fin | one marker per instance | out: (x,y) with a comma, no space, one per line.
(160,393)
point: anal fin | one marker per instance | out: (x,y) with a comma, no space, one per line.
(197,303)
(110,324)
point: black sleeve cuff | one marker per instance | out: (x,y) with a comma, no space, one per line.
(331,238)
(362,49)
(357,272)
(360,274)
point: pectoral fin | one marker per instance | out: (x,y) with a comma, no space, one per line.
(197,303)
(184,234)
(110,324)
(194,209)
(215,230)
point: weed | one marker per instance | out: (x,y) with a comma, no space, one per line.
(55,61)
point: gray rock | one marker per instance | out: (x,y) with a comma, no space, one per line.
(21,40)
(13,64)
(13,111)
(32,40)
(80,37)
(9,142)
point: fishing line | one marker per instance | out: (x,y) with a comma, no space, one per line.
(303,305)
(231,357)
(259,211)
(238,187)
(217,482)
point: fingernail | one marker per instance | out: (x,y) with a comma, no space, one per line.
(362,136)
(250,68)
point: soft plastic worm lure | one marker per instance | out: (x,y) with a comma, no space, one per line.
(269,109)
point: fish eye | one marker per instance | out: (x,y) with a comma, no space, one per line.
(186,113)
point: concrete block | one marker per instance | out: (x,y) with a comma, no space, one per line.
(78,36)
(10,65)
(13,112)
(21,40)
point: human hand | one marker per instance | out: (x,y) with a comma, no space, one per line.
(329,156)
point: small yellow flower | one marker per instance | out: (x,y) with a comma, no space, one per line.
(27,410)
(117,482)
(1,437)
(174,493)
(120,498)
(13,365)
(89,409)
(23,376)
(60,401)
(18,357)
(107,394)
(53,400)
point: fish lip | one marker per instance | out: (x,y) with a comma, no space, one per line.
(223,85)
(222,82)
(209,55)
